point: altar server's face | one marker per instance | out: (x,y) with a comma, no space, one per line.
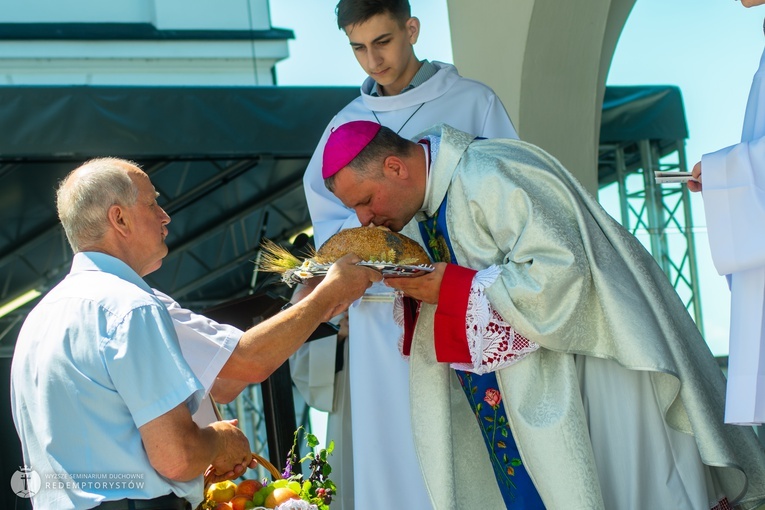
(384,49)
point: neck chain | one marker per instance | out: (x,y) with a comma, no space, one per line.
(405,122)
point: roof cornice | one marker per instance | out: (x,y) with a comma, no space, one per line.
(130,32)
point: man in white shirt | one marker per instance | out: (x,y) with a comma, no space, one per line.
(407,95)
(100,384)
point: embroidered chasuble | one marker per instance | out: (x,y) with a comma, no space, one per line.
(482,393)
(622,404)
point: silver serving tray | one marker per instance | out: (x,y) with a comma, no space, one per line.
(299,275)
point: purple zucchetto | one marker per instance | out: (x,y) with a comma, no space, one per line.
(344,143)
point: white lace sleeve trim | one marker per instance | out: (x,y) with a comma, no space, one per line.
(493,343)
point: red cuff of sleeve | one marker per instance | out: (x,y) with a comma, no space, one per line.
(450,333)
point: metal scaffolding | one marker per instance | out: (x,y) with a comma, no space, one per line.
(658,215)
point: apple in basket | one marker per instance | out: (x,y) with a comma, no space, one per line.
(242,503)
(221,492)
(248,488)
(280,495)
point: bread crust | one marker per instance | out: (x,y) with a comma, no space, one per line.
(373,244)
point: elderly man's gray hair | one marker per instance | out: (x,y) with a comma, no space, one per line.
(84,202)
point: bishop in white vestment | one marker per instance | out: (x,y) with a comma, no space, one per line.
(610,393)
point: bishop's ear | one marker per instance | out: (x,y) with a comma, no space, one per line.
(395,167)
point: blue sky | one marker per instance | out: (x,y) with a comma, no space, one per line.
(708,48)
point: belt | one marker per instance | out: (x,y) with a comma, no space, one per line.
(167,502)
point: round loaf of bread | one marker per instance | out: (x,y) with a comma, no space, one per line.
(373,244)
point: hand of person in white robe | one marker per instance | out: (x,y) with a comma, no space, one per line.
(694,184)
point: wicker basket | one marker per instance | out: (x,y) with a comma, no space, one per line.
(262,461)
(275,475)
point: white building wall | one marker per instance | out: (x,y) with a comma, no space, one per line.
(175,60)
(77,11)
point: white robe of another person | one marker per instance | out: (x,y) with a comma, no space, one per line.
(385,466)
(734,203)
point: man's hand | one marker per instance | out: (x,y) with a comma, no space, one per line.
(695,184)
(212,475)
(425,288)
(234,452)
(179,450)
(346,282)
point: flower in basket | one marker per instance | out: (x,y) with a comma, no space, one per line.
(317,489)
(288,490)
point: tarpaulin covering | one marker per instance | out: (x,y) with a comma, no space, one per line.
(82,121)
(642,113)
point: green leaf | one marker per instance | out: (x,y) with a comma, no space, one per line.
(305,490)
(504,458)
(504,432)
(490,419)
(516,462)
(478,407)
(311,440)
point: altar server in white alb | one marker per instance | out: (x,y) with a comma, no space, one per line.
(734,204)
(407,95)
